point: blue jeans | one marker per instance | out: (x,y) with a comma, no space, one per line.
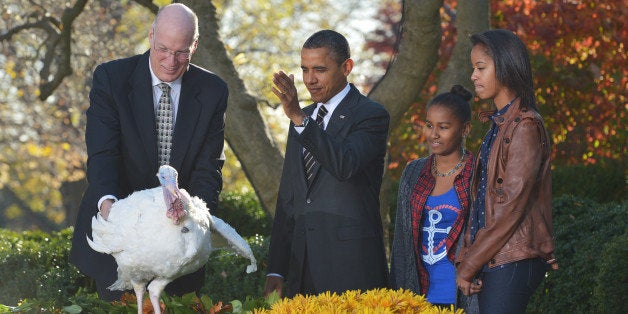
(509,288)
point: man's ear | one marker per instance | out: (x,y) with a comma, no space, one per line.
(151,33)
(347,66)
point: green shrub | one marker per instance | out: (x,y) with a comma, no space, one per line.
(582,227)
(603,182)
(244,212)
(611,282)
(591,245)
(35,265)
(226,278)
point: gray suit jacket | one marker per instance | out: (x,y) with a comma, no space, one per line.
(403,269)
(335,221)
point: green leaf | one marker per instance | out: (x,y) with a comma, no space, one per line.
(207,301)
(188,298)
(237,306)
(25,306)
(73,309)
(272,298)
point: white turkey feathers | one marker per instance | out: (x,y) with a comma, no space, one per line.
(153,241)
(238,244)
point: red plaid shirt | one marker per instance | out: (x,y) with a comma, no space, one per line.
(422,189)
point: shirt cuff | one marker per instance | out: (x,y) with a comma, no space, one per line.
(106,197)
(274,275)
(300,128)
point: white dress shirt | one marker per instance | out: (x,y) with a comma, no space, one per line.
(330,105)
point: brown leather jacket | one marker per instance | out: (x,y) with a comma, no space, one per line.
(518,213)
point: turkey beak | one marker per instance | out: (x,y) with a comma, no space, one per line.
(171,186)
(172,189)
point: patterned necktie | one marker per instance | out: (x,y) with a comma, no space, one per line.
(308,158)
(164,124)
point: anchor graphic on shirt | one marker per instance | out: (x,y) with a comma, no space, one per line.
(435,217)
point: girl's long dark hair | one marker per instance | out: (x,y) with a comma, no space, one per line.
(512,63)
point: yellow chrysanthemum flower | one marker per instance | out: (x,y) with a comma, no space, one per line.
(355,302)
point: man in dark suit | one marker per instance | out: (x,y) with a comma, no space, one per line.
(122,140)
(327,231)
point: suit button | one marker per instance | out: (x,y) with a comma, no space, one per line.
(492,261)
(308,201)
(500,180)
(507,140)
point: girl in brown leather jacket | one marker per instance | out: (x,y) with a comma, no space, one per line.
(508,243)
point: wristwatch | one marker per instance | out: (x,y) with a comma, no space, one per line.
(304,122)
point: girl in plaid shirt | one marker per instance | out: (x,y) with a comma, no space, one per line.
(433,203)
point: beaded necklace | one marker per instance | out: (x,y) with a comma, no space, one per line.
(452,170)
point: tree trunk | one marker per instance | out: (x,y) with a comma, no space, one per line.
(245,130)
(72,193)
(406,76)
(471,17)
(415,60)
(29,219)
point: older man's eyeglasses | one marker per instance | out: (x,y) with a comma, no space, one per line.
(179,55)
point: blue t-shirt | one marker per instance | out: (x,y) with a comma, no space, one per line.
(440,213)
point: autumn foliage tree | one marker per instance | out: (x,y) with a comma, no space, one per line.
(406,140)
(578,55)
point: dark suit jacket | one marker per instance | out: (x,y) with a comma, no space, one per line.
(336,219)
(122,144)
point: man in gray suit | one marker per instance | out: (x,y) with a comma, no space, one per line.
(122,135)
(327,231)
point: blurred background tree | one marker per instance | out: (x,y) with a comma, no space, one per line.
(42,150)
(49,52)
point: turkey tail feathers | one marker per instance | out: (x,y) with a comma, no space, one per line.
(121,285)
(97,247)
(98,227)
(238,244)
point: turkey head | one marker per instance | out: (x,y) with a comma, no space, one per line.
(175,200)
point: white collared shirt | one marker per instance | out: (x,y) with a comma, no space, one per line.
(330,105)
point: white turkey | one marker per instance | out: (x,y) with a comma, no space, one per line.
(154,243)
